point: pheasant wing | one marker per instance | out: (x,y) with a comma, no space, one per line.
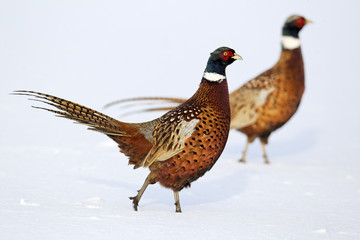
(169,138)
(246,100)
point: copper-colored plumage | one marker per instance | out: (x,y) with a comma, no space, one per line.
(178,147)
(268,101)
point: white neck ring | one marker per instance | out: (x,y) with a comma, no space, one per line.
(289,42)
(213,77)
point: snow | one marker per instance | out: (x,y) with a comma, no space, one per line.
(60,181)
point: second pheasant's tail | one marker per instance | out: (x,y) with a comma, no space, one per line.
(148,101)
(81,114)
(137,99)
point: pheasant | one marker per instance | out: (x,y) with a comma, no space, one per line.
(178,147)
(268,101)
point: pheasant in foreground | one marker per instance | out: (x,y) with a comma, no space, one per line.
(268,101)
(178,147)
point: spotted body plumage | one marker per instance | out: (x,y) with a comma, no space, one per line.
(200,150)
(180,146)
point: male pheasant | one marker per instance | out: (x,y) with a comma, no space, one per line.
(268,101)
(178,147)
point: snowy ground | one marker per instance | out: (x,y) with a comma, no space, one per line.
(59,181)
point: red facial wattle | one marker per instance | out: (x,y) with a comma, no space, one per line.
(300,22)
(226,54)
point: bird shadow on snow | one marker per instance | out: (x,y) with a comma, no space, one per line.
(219,189)
(282,146)
(207,189)
(110,183)
(300,143)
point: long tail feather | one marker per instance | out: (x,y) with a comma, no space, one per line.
(81,114)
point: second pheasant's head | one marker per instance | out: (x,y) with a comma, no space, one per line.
(217,63)
(291,29)
(293,25)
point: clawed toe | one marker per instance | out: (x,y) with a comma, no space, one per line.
(135,202)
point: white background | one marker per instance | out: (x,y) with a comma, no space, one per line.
(60,181)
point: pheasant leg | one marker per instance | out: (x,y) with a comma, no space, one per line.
(177,202)
(243,158)
(263,144)
(137,198)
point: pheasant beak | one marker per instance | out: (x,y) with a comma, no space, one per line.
(307,21)
(237,57)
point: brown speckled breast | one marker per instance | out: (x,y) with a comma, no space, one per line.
(283,102)
(200,153)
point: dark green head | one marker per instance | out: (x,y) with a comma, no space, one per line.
(293,25)
(220,59)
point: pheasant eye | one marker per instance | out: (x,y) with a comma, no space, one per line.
(300,22)
(225,55)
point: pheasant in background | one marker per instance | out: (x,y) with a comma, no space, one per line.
(268,101)
(178,147)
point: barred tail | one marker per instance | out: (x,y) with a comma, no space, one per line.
(81,114)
